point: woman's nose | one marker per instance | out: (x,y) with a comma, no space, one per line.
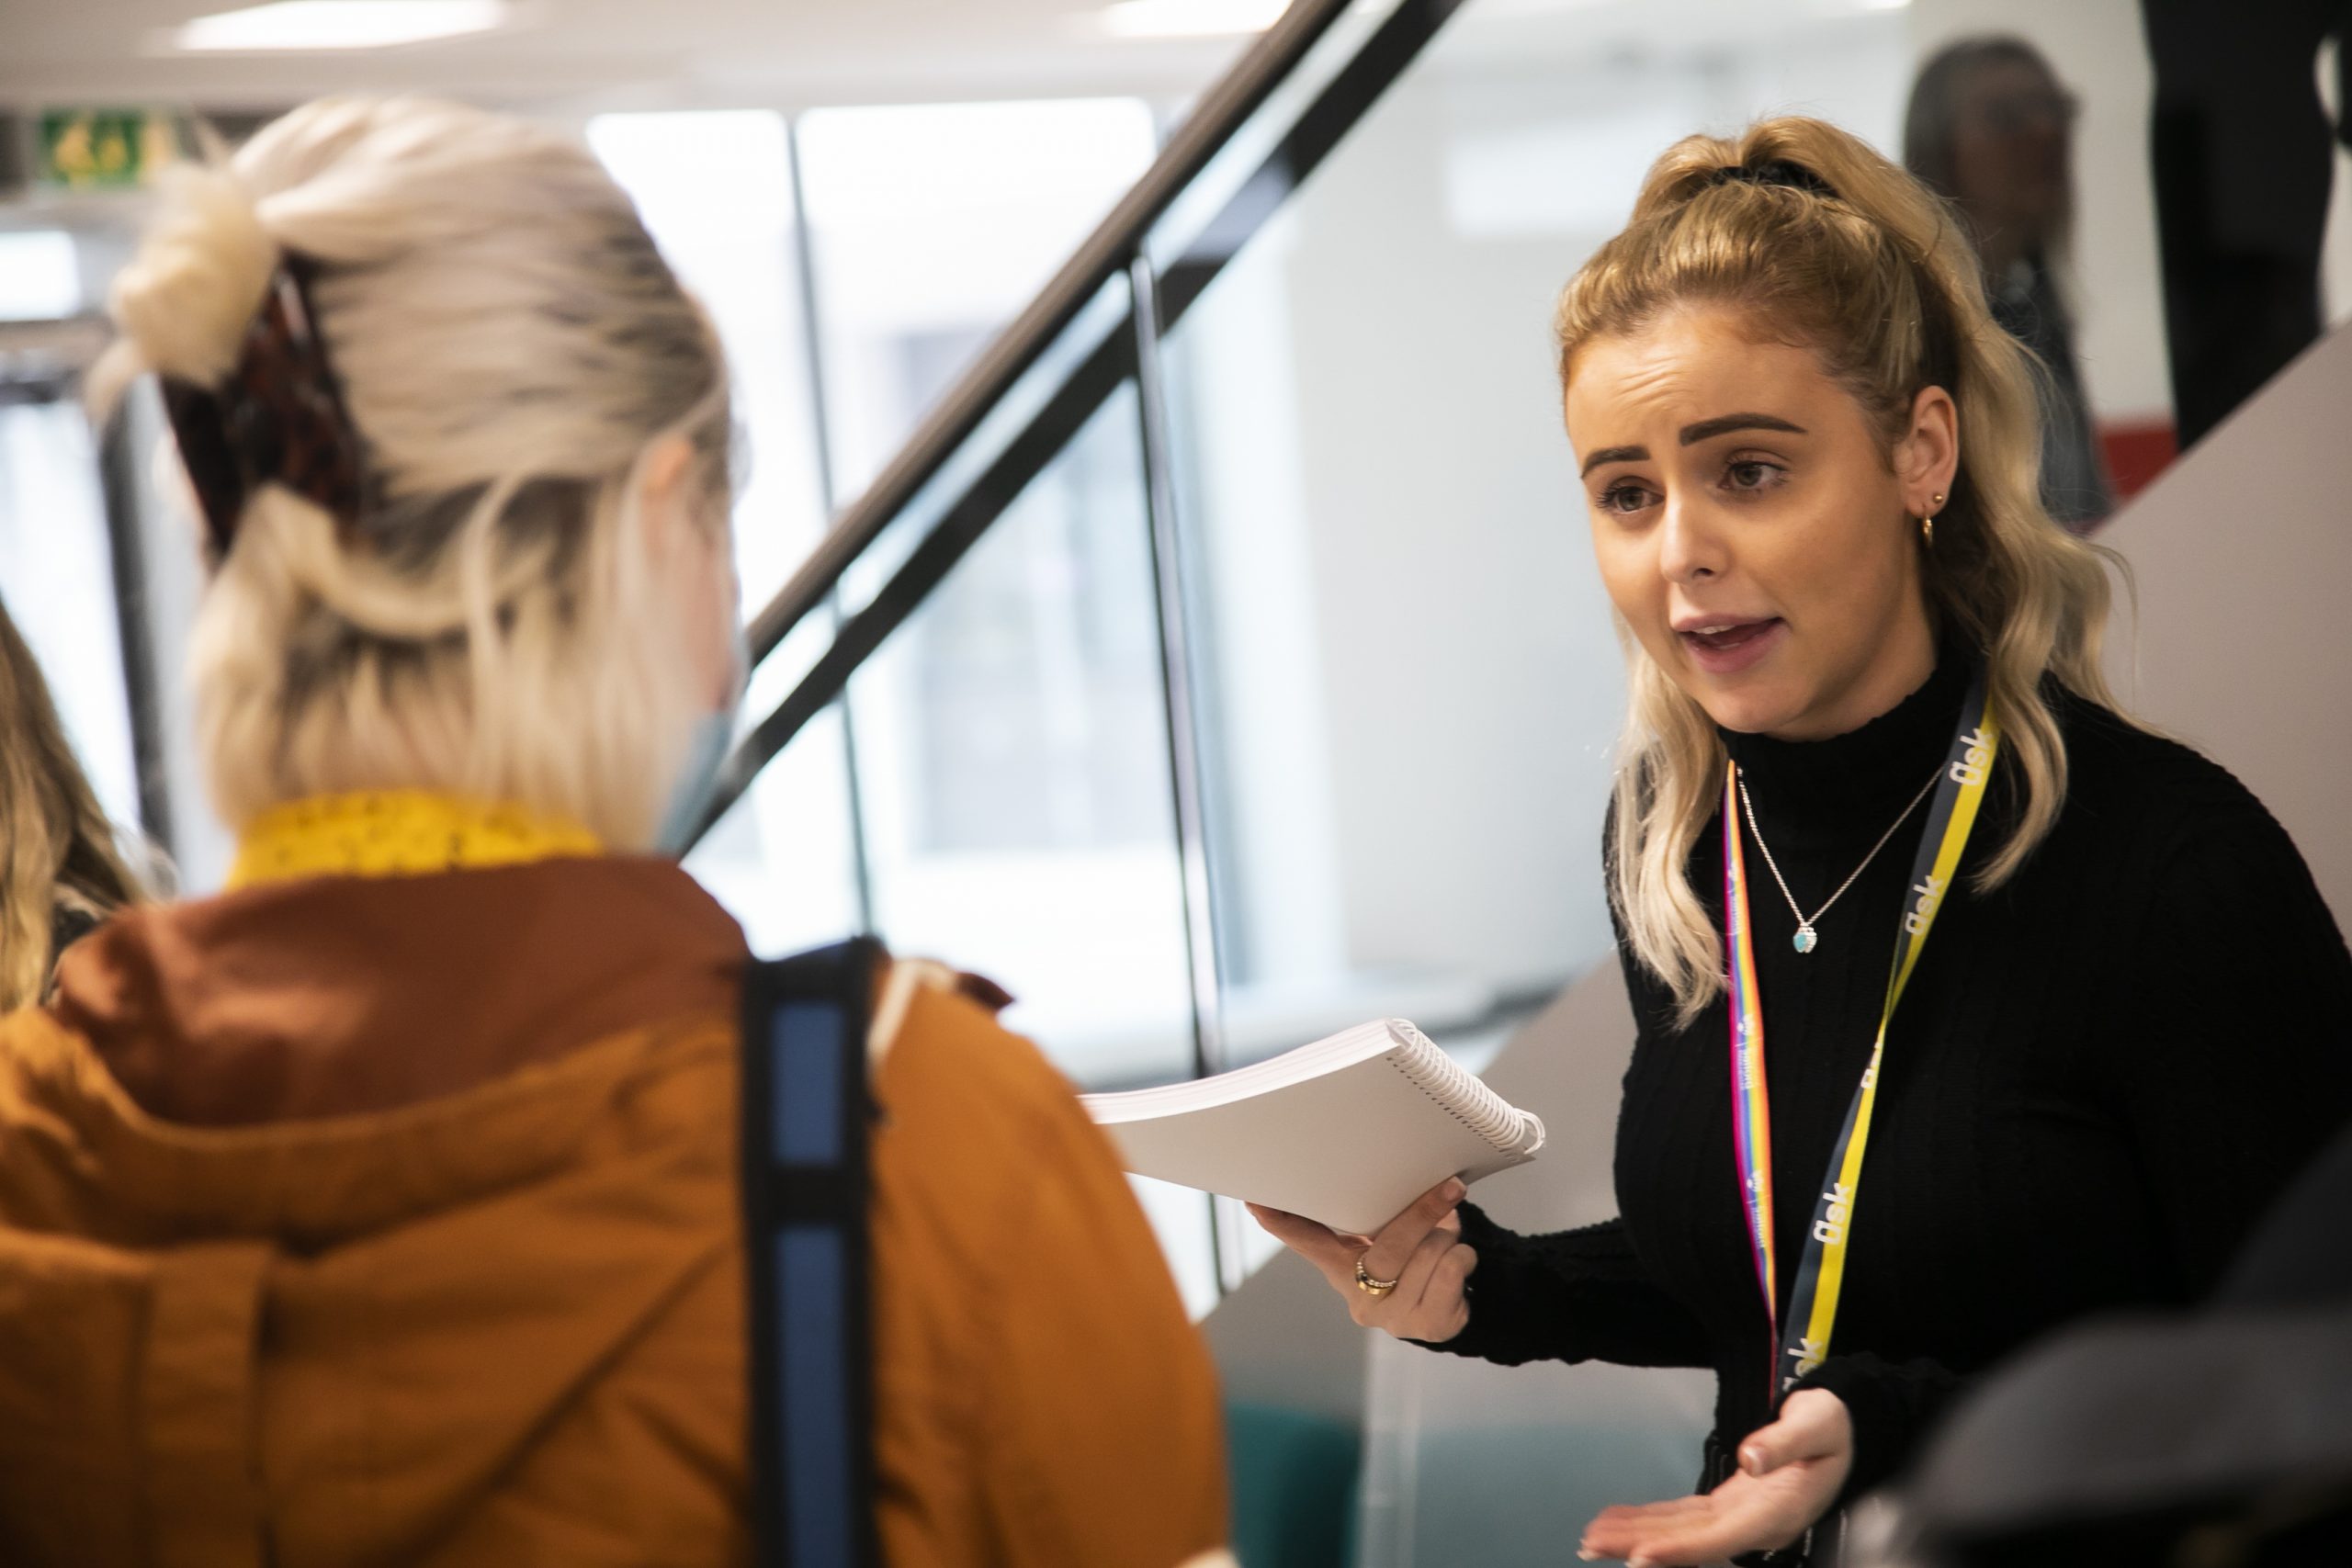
(1689,547)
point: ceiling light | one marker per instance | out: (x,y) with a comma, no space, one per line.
(1189,18)
(339,24)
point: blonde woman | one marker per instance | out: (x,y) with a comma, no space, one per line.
(384,1210)
(1873,793)
(61,874)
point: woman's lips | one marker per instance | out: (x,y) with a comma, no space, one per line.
(1726,647)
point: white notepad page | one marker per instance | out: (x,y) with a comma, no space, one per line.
(1348,1131)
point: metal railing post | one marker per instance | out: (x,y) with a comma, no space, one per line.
(821,430)
(1182,714)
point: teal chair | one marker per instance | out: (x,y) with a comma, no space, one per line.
(1294,1488)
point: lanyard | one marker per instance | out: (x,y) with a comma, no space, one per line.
(1821,1273)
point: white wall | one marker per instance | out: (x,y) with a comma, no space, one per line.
(1471,680)
(2242,648)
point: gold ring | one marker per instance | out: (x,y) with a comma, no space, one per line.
(1367,1284)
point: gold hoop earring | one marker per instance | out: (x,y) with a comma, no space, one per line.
(1928,532)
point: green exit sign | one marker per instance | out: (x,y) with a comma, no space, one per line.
(106,149)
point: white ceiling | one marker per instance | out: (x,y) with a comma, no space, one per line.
(566,57)
(593,54)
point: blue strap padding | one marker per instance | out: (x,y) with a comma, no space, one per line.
(820,1495)
(805,1105)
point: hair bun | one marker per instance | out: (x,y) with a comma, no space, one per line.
(183,303)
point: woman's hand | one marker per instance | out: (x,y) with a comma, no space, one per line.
(1789,1474)
(1421,1249)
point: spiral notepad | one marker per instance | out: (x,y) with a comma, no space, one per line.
(1348,1130)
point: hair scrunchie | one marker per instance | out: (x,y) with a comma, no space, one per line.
(277,418)
(1777,172)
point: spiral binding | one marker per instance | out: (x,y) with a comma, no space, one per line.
(1458,1092)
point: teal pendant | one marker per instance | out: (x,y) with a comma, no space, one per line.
(1805,939)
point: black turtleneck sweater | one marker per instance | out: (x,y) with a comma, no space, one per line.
(2100,1075)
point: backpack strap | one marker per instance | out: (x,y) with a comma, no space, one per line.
(806,1107)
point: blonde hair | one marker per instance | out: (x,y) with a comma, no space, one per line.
(511,347)
(57,849)
(1869,272)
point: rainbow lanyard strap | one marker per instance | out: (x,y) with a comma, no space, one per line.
(1821,1273)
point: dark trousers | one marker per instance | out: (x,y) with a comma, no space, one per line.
(2243,160)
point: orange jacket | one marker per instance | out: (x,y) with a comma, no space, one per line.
(394,1221)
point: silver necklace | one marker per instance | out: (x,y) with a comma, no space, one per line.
(1807,938)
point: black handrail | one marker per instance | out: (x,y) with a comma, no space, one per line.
(1087,385)
(1222,111)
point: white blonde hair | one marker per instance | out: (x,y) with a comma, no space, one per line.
(511,347)
(1858,261)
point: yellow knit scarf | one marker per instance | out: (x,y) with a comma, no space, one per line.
(398,832)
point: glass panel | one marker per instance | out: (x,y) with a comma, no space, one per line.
(1013,766)
(57,580)
(934,224)
(716,191)
(1181,1218)
(783,859)
(1412,678)
(1092,351)
(1014,760)
(1239,163)
(162,506)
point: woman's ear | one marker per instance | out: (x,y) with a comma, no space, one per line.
(691,561)
(663,501)
(1928,456)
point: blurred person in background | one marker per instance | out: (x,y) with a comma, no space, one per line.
(60,872)
(1991,128)
(2243,158)
(1881,840)
(385,1208)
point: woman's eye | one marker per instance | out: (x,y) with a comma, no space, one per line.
(1752,475)
(1623,498)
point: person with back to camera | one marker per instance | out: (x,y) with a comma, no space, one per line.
(61,874)
(384,1208)
(2111,1001)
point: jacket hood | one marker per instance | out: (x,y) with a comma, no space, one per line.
(338,1052)
(323,1203)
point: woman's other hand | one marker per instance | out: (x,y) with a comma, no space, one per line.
(1789,1474)
(1421,1249)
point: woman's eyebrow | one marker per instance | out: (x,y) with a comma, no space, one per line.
(1691,435)
(1723,424)
(1614,455)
